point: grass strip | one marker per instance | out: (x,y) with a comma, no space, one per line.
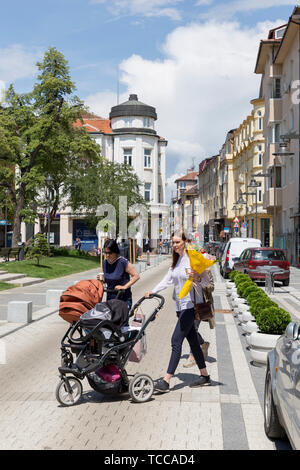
(52,267)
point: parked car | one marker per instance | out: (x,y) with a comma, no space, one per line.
(252,258)
(282,388)
(232,251)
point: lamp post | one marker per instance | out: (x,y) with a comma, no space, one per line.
(282,152)
(5,226)
(49,181)
(254,185)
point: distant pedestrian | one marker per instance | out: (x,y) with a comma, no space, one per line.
(119,274)
(77,244)
(177,275)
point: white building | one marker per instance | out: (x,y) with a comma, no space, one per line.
(128,136)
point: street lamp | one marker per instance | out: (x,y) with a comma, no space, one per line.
(49,181)
(254,185)
(282,152)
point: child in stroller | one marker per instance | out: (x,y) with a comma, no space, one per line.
(103,345)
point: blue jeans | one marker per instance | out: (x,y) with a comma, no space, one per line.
(185,328)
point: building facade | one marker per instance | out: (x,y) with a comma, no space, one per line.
(278,63)
(128,136)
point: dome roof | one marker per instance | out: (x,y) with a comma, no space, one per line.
(133,107)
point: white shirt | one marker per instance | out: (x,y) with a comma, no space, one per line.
(177,277)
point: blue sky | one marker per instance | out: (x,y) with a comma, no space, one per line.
(164,49)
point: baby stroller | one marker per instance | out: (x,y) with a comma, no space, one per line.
(97,343)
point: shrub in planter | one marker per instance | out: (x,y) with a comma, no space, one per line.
(249,290)
(256,295)
(239,277)
(243,286)
(261,303)
(232,275)
(273,320)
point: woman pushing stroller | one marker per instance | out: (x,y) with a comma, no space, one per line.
(177,275)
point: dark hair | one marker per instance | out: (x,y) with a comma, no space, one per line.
(112,246)
(175,256)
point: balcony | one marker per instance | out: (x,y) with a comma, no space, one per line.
(269,199)
(275,109)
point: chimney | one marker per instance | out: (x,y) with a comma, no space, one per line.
(133,98)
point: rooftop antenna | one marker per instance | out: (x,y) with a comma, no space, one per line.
(193,167)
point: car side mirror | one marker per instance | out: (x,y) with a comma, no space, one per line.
(292,331)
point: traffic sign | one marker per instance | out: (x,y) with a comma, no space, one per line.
(245,225)
(236,225)
(236,220)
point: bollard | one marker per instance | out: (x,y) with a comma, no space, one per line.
(53,297)
(148,258)
(19,311)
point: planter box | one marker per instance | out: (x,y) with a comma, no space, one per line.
(243,308)
(247,316)
(260,345)
(250,327)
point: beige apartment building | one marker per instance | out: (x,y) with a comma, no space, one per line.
(248,188)
(209,198)
(226,187)
(278,63)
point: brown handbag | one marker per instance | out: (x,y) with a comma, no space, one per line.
(203,311)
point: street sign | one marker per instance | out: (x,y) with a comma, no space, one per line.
(236,225)
(236,220)
(4,222)
(245,225)
(226,229)
(236,229)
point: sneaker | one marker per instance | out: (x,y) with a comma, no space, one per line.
(204,348)
(189,363)
(162,386)
(201,382)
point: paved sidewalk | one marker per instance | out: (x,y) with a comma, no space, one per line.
(227,415)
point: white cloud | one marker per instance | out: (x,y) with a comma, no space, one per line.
(201,89)
(17,62)
(228,9)
(142,7)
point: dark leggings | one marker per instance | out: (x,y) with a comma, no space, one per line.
(185,329)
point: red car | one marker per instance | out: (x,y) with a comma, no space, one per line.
(252,258)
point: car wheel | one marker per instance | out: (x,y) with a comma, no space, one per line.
(273,428)
(286,282)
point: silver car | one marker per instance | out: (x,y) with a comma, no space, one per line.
(282,388)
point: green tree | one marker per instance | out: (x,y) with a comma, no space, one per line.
(38,248)
(38,138)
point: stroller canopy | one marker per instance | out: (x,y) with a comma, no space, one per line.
(113,310)
(77,299)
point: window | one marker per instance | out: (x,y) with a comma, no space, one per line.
(147,194)
(127,122)
(260,155)
(259,121)
(159,163)
(147,122)
(277,88)
(291,122)
(127,154)
(284,226)
(259,198)
(147,158)
(283,175)
(182,185)
(291,169)
(277,133)
(279,33)
(159,194)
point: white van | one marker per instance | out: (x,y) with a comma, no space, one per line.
(233,249)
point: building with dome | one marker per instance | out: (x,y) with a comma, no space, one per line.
(127,136)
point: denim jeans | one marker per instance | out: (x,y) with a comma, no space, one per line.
(185,328)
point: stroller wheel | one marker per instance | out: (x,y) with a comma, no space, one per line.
(69,391)
(141,388)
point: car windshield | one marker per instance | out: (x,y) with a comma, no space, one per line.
(268,255)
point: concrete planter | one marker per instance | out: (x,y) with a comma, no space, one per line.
(260,345)
(236,300)
(243,308)
(247,316)
(249,327)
